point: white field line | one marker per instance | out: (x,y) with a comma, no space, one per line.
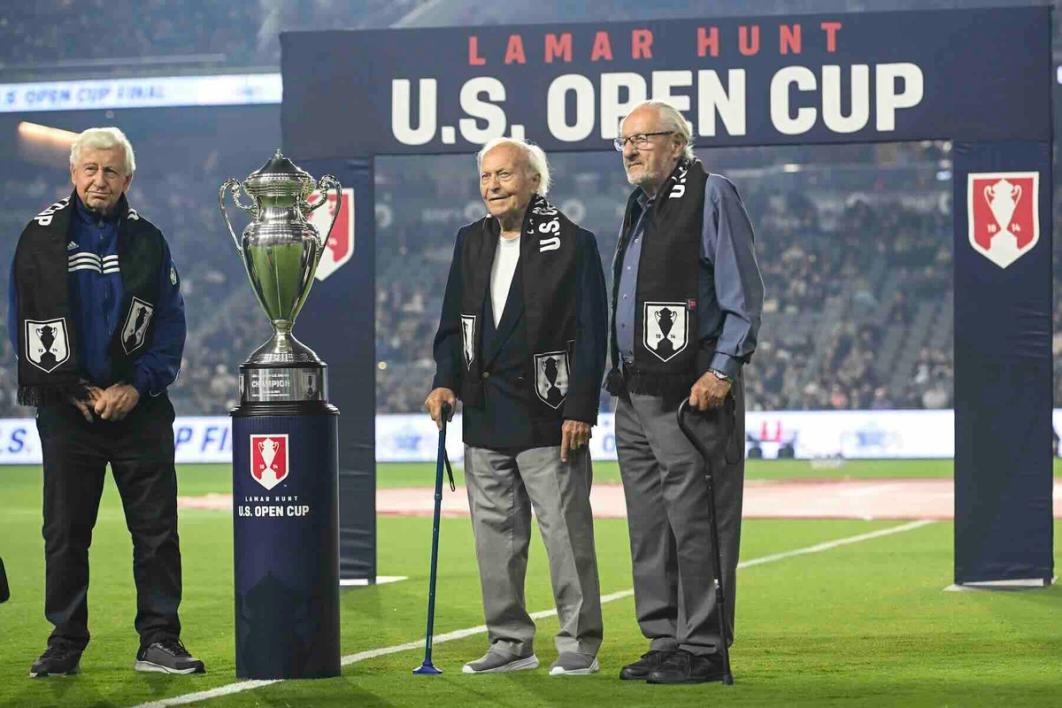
(241,686)
(819,548)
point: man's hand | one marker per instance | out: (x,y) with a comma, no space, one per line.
(709,391)
(86,405)
(116,401)
(434,404)
(574,435)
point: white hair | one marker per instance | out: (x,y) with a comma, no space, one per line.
(536,159)
(672,120)
(103,139)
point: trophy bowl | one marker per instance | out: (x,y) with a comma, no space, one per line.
(280,250)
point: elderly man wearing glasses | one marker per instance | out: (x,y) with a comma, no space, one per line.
(687,296)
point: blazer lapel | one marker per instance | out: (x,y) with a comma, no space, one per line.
(514,310)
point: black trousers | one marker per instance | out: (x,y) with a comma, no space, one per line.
(140,452)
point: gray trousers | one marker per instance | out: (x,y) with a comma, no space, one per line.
(668,516)
(502,489)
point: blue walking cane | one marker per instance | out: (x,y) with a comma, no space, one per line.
(717,562)
(427,668)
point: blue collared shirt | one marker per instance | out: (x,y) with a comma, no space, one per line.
(730,286)
(96,294)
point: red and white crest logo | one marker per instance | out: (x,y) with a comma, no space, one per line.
(1003,214)
(269,459)
(340,244)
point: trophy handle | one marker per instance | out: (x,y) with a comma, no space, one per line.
(233,185)
(323,184)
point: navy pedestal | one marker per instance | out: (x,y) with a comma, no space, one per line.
(286,541)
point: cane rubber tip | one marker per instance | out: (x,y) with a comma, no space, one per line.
(728,680)
(427,669)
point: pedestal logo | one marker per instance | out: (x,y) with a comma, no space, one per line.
(269,459)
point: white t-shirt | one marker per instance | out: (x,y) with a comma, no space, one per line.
(506,257)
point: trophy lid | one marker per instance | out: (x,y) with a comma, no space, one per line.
(279,177)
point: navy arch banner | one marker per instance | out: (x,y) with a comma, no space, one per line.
(969,75)
(981,78)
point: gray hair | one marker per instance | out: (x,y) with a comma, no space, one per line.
(103,139)
(672,120)
(536,159)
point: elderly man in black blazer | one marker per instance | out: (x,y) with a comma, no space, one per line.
(521,342)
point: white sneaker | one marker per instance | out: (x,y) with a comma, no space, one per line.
(494,663)
(572,664)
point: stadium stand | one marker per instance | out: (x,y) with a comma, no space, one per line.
(161,36)
(855,251)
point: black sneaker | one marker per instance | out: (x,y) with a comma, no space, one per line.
(168,657)
(640,670)
(59,659)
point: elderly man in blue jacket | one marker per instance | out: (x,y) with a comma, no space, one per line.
(97,320)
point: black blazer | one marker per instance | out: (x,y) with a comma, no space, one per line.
(507,419)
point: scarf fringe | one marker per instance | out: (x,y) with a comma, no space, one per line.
(668,386)
(50,395)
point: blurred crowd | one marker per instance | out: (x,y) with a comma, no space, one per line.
(858,272)
(45,33)
(852,305)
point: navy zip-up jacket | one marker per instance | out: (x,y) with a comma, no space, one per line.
(96,293)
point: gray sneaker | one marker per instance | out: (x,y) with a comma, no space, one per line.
(168,657)
(496,663)
(572,664)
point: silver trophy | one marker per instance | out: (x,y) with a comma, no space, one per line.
(281,250)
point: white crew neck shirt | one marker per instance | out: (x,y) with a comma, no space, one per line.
(506,256)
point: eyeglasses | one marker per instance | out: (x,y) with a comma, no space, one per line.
(639,140)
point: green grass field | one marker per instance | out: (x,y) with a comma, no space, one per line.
(864,623)
(419,474)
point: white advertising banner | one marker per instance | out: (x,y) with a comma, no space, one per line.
(799,434)
(148,92)
(414,438)
(195,439)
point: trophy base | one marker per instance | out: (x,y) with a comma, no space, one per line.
(283,370)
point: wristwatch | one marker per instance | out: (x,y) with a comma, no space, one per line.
(720,375)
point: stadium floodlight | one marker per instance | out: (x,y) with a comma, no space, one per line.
(46,134)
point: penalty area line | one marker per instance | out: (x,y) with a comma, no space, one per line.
(242,686)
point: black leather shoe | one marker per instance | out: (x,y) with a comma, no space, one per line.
(684,667)
(59,659)
(640,670)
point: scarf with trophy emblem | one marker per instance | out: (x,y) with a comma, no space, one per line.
(548,250)
(667,348)
(48,367)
